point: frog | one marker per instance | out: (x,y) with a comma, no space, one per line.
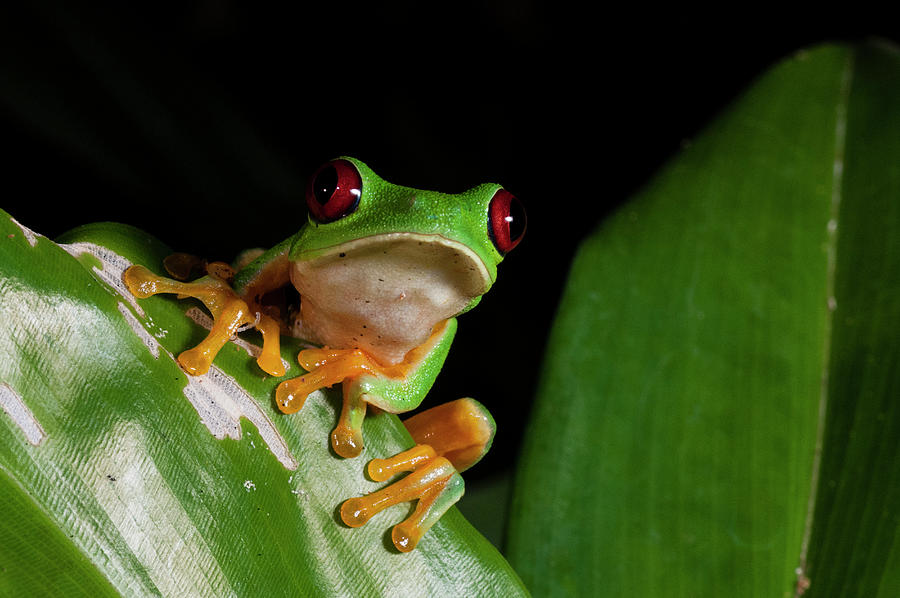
(382,272)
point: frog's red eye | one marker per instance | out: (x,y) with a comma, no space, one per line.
(506,220)
(334,191)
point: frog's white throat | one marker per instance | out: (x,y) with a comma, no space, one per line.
(385,293)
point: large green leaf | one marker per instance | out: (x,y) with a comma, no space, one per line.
(719,413)
(121,475)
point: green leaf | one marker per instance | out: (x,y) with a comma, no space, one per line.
(741,310)
(120,475)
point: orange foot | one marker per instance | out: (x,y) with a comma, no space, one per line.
(450,438)
(229,311)
(326,367)
(433,481)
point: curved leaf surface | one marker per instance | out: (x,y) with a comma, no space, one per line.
(718,412)
(123,474)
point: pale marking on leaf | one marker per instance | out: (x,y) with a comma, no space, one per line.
(21,415)
(29,234)
(201,318)
(221,402)
(141,332)
(837,179)
(151,519)
(111,273)
(219,399)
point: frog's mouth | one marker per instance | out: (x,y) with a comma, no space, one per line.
(400,260)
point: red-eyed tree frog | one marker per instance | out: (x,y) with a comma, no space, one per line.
(382,272)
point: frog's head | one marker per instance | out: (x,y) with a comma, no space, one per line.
(454,239)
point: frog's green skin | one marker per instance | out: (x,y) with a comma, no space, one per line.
(382,272)
(382,277)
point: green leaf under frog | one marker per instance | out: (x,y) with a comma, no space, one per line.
(119,474)
(719,410)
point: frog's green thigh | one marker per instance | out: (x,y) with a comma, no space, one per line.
(449,438)
(229,311)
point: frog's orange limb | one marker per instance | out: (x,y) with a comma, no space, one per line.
(231,316)
(326,367)
(451,438)
(346,438)
(229,311)
(270,357)
(430,484)
(433,503)
(383,469)
(461,431)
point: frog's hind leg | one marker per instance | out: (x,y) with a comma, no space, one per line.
(449,438)
(461,430)
(229,311)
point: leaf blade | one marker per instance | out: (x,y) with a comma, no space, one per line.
(853,549)
(688,352)
(131,468)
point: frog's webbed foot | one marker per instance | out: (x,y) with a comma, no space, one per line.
(230,315)
(449,438)
(326,367)
(365,380)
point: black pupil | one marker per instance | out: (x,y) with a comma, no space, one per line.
(325,184)
(516,220)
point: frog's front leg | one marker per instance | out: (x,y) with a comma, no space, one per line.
(394,388)
(230,312)
(449,438)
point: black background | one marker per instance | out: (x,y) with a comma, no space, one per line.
(200,121)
